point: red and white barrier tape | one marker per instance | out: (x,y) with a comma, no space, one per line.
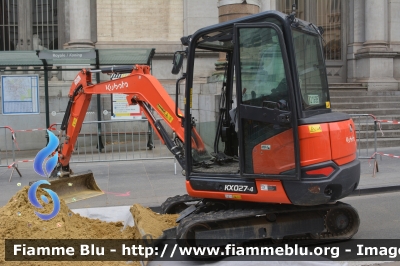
(382,154)
(388,121)
(36,129)
(385,154)
(385,121)
(23,161)
(30,130)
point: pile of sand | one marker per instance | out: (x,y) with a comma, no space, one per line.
(19,221)
(151,223)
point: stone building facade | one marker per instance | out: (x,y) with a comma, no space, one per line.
(362,40)
(361,36)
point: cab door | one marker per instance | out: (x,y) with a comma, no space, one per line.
(268,137)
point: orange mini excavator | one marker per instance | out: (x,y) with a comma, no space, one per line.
(272,159)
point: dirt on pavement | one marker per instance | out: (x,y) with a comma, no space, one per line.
(19,221)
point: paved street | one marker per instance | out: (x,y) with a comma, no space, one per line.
(150,182)
(378,215)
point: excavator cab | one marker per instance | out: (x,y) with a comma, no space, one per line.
(271,131)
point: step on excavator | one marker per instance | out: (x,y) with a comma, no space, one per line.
(270,162)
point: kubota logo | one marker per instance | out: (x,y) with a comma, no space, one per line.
(44,167)
(351,139)
(117,86)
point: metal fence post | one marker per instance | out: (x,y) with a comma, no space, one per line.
(376,169)
(12,146)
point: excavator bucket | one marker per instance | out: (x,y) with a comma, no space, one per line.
(76,187)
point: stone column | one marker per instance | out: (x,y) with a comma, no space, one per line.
(356,36)
(79,31)
(267,5)
(374,61)
(79,24)
(233,9)
(394,35)
(375,23)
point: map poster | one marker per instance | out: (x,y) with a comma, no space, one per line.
(120,107)
(20,94)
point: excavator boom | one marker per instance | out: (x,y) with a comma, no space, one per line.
(141,88)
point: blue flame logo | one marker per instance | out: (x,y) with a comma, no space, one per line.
(44,167)
(32,198)
(43,154)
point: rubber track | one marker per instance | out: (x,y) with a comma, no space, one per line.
(176,200)
(243,212)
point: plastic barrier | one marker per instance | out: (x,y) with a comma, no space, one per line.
(373,156)
(364,124)
(366,132)
(7,150)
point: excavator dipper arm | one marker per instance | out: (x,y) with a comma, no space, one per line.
(141,88)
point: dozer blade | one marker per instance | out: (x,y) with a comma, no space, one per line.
(152,226)
(76,187)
